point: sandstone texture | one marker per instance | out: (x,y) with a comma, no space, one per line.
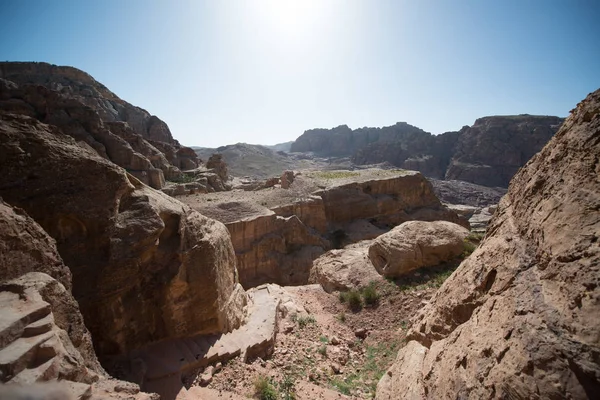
(42,332)
(519,318)
(86,110)
(487,153)
(416,244)
(145,267)
(344,269)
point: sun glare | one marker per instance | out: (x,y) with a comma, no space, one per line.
(291,18)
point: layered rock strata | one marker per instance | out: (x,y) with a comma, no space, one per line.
(86,110)
(519,317)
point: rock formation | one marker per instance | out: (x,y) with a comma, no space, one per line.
(519,317)
(416,244)
(488,153)
(145,267)
(344,269)
(42,333)
(492,150)
(86,110)
(278,245)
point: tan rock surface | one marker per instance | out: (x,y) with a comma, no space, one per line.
(344,269)
(145,267)
(519,317)
(416,244)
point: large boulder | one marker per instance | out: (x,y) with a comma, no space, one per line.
(519,318)
(344,269)
(416,244)
(145,266)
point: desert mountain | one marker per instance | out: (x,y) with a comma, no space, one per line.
(487,153)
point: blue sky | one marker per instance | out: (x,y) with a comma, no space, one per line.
(226,71)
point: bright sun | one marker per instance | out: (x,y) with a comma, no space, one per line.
(291,17)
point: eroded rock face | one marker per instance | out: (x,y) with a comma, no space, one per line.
(416,244)
(145,266)
(519,317)
(272,248)
(25,247)
(491,151)
(488,153)
(86,110)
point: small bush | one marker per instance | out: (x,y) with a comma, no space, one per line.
(303,320)
(323,339)
(370,295)
(322,350)
(264,389)
(354,300)
(342,317)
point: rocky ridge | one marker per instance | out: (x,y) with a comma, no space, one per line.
(86,110)
(487,153)
(518,319)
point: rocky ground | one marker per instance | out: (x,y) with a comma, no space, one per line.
(334,351)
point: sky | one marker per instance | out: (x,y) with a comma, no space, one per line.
(264,71)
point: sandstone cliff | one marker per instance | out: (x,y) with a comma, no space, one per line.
(519,318)
(145,267)
(492,150)
(86,110)
(488,153)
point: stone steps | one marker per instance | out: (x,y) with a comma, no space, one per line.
(17,313)
(23,352)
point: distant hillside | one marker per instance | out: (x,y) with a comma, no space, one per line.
(253,160)
(488,153)
(286,146)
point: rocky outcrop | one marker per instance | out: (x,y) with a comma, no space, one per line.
(518,318)
(416,244)
(219,167)
(86,110)
(491,151)
(26,247)
(42,332)
(145,267)
(279,245)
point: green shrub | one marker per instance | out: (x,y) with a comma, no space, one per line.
(370,295)
(342,317)
(322,350)
(264,389)
(303,320)
(354,300)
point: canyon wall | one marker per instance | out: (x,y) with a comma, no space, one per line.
(488,153)
(519,318)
